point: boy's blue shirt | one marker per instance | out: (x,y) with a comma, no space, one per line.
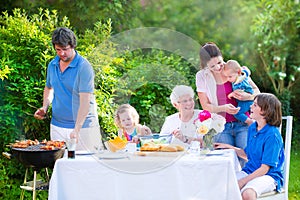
(265,147)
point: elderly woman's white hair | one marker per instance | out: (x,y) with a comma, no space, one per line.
(180,90)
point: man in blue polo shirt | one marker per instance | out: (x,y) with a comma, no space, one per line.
(69,87)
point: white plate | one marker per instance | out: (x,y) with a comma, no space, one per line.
(84,152)
(111,155)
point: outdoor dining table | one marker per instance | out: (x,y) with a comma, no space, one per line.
(182,176)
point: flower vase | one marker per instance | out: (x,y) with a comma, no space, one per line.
(208,140)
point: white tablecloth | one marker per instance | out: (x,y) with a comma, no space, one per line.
(187,177)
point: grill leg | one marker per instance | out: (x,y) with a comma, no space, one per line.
(25,181)
(34,186)
(47,174)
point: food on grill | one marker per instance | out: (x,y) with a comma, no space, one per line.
(25,143)
(43,141)
(19,145)
(57,144)
(45,145)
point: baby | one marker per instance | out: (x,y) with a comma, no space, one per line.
(127,120)
(238,76)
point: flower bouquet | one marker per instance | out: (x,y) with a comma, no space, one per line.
(209,124)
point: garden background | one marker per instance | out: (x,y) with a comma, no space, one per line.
(262,34)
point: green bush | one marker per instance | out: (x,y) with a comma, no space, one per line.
(147,80)
(84,14)
(275,37)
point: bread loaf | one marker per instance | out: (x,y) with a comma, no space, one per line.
(168,148)
(150,146)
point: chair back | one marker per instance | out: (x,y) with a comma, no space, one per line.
(287,151)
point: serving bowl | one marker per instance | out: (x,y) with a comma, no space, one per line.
(156,138)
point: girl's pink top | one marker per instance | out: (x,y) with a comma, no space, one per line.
(223,91)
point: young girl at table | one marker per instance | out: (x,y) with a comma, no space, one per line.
(127,120)
(264,152)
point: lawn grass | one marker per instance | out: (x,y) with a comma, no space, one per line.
(294,180)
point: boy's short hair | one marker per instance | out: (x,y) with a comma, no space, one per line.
(270,107)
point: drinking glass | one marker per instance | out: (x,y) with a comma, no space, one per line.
(71,146)
(195,147)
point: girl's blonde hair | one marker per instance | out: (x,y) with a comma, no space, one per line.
(126,108)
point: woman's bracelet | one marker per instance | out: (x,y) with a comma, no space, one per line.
(186,139)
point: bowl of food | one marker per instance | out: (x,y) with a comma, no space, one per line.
(116,144)
(156,138)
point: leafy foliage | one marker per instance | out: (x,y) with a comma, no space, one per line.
(84,14)
(277,42)
(147,80)
(3,73)
(223,22)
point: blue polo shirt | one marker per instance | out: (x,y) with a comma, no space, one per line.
(265,147)
(77,78)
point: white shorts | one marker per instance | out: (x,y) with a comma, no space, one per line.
(89,138)
(260,184)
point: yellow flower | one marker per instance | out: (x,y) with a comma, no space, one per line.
(202,129)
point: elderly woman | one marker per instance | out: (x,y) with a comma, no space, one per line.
(181,124)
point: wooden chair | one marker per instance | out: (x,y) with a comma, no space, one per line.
(287,150)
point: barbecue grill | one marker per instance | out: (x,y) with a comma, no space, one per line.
(36,158)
